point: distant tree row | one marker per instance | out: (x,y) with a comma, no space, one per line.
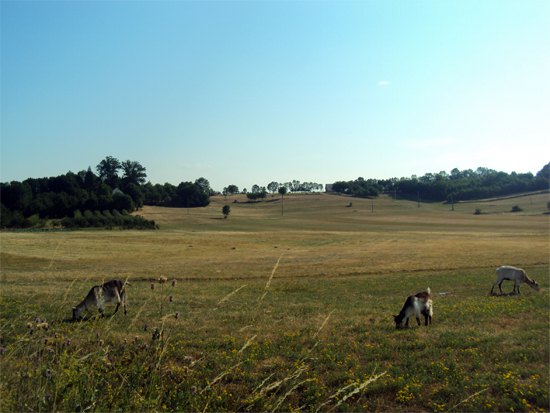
(117,186)
(185,195)
(456,186)
(257,191)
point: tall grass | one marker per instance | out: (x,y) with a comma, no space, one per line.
(321,350)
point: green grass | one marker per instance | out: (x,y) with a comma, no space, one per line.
(314,333)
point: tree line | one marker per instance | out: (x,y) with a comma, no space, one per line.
(259,192)
(106,197)
(88,199)
(443,187)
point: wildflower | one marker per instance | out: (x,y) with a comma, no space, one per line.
(152,286)
(43,326)
(48,374)
(162,279)
(177,315)
(145,327)
(3,351)
(171,299)
(173,283)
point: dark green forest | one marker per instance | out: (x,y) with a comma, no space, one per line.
(88,199)
(443,187)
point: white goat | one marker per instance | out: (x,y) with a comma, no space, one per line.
(518,275)
(420,303)
(109,292)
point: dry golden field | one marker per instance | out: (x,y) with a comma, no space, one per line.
(283,309)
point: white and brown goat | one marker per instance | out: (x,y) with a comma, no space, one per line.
(110,292)
(518,275)
(418,304)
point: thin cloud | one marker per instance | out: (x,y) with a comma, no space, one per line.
(384,83)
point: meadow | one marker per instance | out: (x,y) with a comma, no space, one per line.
(282,307)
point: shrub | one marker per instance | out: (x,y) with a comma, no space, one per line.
(516,208)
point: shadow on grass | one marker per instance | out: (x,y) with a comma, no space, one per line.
(503,294)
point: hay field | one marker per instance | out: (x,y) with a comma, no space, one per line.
(280,312)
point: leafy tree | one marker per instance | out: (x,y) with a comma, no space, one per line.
(273,187)
(257,193)
(190,195)
(108,171)
(226,210)
(543,177)
(6,217)
(204,185)
(123,202)
(133,173)
(135,192)
(16,196)
(89,179)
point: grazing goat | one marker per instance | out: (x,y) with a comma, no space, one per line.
(518,275)
(420,303)
(109,292)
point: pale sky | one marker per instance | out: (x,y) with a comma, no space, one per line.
(251,92)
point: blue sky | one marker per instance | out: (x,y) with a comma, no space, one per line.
(249,92)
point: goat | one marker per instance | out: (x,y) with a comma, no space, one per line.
(420,303)
(111,291)
(518,275)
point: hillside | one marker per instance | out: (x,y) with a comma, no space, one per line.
(330,212)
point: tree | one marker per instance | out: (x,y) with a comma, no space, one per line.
(226,210)
(89,179)
(189,195)
(123,202)
(133,173)
(273,187)
(108,171)
(543,177)
(204,185)
(135,193)
(282,192)
(232,189)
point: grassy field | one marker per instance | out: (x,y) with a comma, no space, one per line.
(281,309)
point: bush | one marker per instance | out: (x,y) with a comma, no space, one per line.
(477,211)
(516,208)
